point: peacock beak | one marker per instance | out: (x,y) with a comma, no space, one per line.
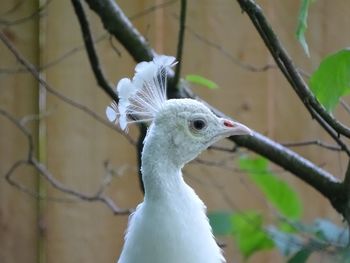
(231,128)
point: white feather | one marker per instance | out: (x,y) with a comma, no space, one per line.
(111,114)
(141,98)
(166,61)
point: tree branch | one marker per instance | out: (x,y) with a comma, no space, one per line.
(90,48)
(287,67)
(117,24)
(180,44)
(316,177)
(99,196)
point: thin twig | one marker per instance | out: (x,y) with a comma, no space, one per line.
(117,51)
(180,43)
(90,49)
(55,61)
(326,126)
(345,106)
(99,196)
(59,95)
(97,40)
(33,117)
(223,149)
(312,142)
(152,9)
(12,9)
(26,18)
(23,129)
(227,54)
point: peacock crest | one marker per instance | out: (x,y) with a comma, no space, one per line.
(141,98)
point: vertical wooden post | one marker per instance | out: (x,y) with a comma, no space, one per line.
(18,96)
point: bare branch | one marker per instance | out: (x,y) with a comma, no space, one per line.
(110,39)
(55,61)
(312,142)
(326,126)
(223,149)
(81,47)
(321,180)
(291,73)
(23,129)
(33,117)
(318,178)
(90,48)
(59,95)
(228,55)
(13,8)
(99,196)
(180,44)
(345,105)
(27,18)
(113,20)
(110,173)
(152,9)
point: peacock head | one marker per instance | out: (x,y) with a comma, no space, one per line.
(187,125)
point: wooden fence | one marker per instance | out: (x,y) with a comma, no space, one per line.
(75,147)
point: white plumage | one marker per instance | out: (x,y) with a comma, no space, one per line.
(170,225)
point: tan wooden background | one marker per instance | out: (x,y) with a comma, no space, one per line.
(75,146)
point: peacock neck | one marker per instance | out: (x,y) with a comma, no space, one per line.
(161,174)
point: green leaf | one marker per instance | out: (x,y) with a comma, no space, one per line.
(197,79)
(302,25)
(220,223)
(332,79)
(277,191)
(249,234)
(301,256)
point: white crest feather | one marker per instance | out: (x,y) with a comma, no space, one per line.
(141,98)
(111,112)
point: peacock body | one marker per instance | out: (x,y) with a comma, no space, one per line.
(170,225)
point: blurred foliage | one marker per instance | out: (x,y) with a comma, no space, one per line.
(295,240)
(277,191)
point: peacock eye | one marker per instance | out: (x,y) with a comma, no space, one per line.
(198,124)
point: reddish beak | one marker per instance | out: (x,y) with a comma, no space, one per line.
(235,128)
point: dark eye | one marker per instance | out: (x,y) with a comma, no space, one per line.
(198,124)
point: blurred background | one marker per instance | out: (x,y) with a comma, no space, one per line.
(43,224)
